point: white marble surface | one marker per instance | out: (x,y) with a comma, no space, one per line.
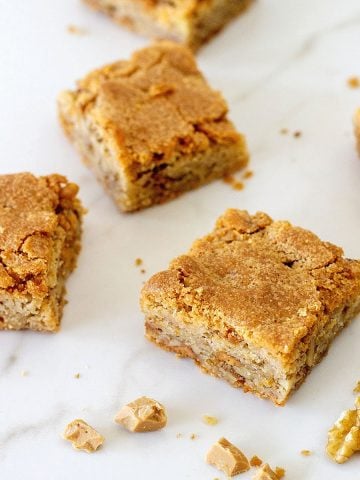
(283,64)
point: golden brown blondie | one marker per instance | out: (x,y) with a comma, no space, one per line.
(191,22)
(151,127)
(257,302)
(40,229)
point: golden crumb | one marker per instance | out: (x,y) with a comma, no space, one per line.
(255,461)
(248,174)
(306,453)
(297,134)
(138,262)
(143,270)
(353,82)
(284,131)
(357,387)
(24,373)
(74,30)
(77,375)
(280,472)
(209,420)
(235,184)
(193,436)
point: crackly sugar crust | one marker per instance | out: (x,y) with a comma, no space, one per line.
(34,213)
(272,283)
(154,104)
(192,22)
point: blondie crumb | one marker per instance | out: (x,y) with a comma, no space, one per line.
(142,415)
(73,29)
(138,262)
(151,128)
(77,375)
(284,131)
(83,436)
(209,420)
(248,174)
(306,453)
(357,387)
(280,472)
(255,461)
(193,436)
(353,82)
(297,134)
(226,457)
(265,473)
(235,184)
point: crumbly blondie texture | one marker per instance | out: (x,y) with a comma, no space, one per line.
(40,229)
(257,303)
(151,127)
(191,22)
(357,128)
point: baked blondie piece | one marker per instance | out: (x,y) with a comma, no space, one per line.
(40,229)
(151,127)
(257,303)
(357,128)
(191,22)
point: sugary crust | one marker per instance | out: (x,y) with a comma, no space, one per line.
(35,215)
(151,106)
(268,282)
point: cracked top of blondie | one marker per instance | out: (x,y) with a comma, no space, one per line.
(266,281)
(153,105)
(34,214)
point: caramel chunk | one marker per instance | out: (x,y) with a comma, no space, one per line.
(255,461)
(265,473)
(82,436)
(226,457)
(142,415)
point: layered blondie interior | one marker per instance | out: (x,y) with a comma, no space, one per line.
(40,230)
(191,22)
(257,303)
(151,127)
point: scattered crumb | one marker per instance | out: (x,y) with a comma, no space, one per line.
(297,134)
(193,436)
(306,453)
(353,82)
(24,373)
(82,436)
(284,131)
(143,270)
(138,262)
(248,174)
(179,435)
(255,461)
(280,472)
(266,473)
(73,29)
(77,375)
(209,420)
(142,415)
(235,184)
(357,387)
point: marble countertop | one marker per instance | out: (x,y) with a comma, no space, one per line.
(284,64)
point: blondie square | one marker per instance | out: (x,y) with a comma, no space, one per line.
(191,22)
(257,303)
(151,127)
(40,229)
